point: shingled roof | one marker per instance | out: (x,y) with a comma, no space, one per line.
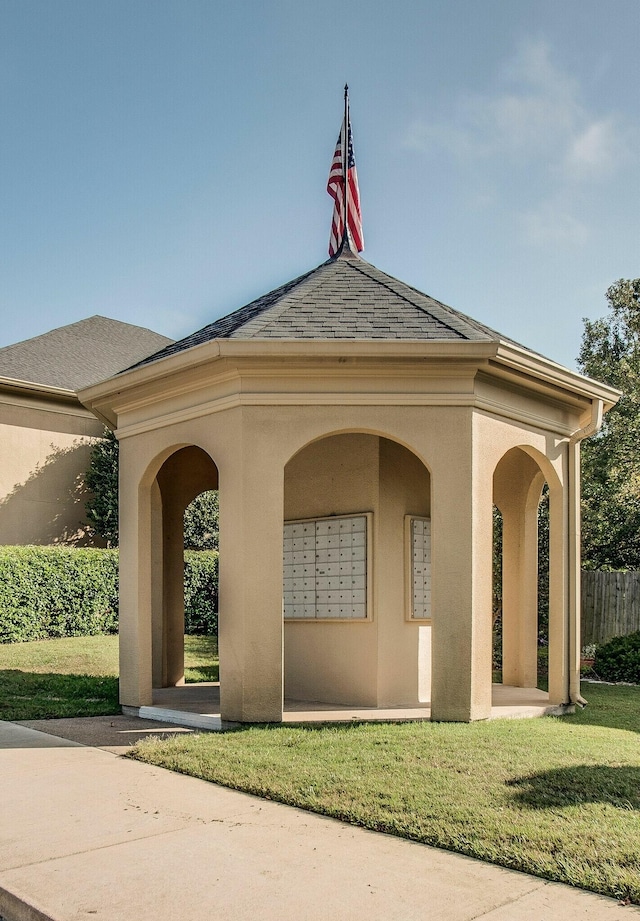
(343,298)
(72,357)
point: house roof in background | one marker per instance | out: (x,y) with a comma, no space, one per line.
(83,353)
(343,298)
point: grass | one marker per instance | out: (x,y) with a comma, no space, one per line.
(77,676)
(559,798)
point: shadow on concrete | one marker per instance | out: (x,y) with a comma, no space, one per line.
(112,733)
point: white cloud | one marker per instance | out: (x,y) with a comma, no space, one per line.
(551,225)
(596,150)
(535,116)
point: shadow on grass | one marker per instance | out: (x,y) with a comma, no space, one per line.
(575,786)
(33,696)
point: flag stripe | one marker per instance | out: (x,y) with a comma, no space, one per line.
(335,188)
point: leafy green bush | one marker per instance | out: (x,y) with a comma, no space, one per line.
(48,592)
(619,659)
(201,592)
(57,591)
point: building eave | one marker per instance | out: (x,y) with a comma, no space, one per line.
(520,361)
(496,357)
(43,391)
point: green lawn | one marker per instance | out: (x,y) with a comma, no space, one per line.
(77,676)
(559,798)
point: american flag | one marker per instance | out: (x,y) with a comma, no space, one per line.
(335,188)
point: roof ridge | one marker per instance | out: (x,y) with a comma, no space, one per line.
(400,294)
(295,293)
(449,311)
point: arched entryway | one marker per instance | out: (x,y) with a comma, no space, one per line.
(184,475)
(519,480)
(356,573)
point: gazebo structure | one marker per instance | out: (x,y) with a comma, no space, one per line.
(360,434)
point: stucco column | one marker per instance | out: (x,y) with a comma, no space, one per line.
(461,583)
(519,499)
(135,585)
(575,599)
(157,588)
(250,592)
(520,596)
(559,653)
(173,588)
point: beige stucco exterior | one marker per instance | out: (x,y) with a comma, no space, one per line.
(46,436)
(292,430)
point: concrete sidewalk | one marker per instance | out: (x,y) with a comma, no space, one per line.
(86,834)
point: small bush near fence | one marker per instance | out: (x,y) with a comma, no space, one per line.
(619,659)
(48,592)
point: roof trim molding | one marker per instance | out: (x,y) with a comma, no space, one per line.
(502,359)
(43,390)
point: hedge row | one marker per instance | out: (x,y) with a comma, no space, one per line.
(48,592)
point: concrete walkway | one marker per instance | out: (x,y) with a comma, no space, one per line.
(87,834)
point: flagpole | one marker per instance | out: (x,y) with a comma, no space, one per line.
(345,167)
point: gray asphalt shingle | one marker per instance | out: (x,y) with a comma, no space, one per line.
(343,298)
(82,353)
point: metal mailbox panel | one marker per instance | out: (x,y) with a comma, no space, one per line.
(420,537)
(325,568)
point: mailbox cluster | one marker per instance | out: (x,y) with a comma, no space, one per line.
(421,568)
(325,568)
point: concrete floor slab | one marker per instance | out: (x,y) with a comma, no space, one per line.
(198,706)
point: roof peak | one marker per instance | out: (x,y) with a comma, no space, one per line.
(346,298)
(347,250)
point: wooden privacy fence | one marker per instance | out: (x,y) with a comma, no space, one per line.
(610,605)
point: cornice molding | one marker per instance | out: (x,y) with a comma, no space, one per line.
(235,365)
(444,400)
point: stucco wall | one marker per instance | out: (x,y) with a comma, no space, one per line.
(404,664)
(44,454)
(377,662)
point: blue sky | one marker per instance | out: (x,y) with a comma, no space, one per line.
(165,162)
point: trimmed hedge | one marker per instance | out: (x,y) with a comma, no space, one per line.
(619,659)
(48,592)
(201,592)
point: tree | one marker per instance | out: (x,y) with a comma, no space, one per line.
(201,522)
(200,517)
(102,480)
(610,352)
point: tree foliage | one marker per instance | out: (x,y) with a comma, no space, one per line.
(610,352)
(201,522)
(102,481)
(200,517)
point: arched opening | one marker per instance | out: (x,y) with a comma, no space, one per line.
(201,588)
(356,574)
(526,516)
(183,502)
